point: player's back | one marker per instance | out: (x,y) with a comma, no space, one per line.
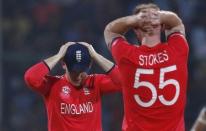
(155,81)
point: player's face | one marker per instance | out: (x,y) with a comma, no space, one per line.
(76,77)
(149,28)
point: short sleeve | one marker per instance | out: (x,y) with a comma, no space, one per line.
(179,43)
(120,48)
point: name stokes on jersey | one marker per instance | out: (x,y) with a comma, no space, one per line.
(152,59)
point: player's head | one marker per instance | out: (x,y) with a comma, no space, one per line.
(78,61)
(153,30)
(145,7)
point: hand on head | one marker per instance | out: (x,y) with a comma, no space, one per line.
(63,49)
(92,52)
(150,20)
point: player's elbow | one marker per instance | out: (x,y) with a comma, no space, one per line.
(30,80)
(176,19)
(107,33)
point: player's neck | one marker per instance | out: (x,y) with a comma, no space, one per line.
(77,85)
(151,41)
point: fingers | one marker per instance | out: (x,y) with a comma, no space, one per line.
(63,49)
(69,44)
(150,18)
(84,43)
(89,46)
(155,18)
(92,52)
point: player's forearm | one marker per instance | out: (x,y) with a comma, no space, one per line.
(121,25)
(52,61)
(199,127)
(104,63)
(118,27)
(170,19)
(200,123)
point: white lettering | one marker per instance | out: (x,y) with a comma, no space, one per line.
(152,59)
(63,108)
(76,109)
(141,60)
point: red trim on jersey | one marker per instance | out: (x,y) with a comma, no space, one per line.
(46,65)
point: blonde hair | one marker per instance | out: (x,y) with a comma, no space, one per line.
(140,7)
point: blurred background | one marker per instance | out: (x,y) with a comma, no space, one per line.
(32,30)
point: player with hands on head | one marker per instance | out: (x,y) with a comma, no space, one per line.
(73,100)
(154,74)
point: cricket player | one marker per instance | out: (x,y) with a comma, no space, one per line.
(155,73)
(73,100)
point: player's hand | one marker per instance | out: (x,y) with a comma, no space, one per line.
(151,21)
(155,18)
(92,52)
(137,21)
(203,114)
(63,49)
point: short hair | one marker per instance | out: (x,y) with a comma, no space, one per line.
(140,7)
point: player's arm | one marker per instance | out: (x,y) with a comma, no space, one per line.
(120,26)
(172,23)
(106,84)
(108,66)
(104,63)
(200,123)
(109,82)
(35,76)
(52,61)
(175,32)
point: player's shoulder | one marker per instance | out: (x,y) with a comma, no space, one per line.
(178,43)
(119,40)
(96,77)
(91,77)
(91,81)
(176,36)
